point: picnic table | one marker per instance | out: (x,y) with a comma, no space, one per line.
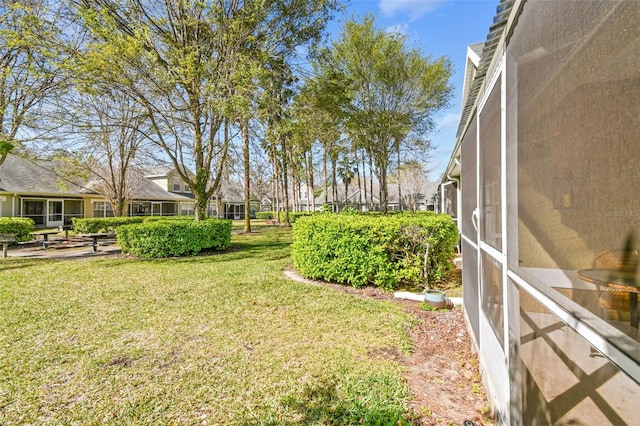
(94,237)
(5,239)
(45,236)
(66,229)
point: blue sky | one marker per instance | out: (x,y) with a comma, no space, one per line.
(438,27)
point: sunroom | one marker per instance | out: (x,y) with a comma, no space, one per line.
(547,157)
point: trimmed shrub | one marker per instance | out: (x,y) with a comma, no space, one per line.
(387,251)
(92,225)
(156,218)
(264,215)
(294,216)
(168,238)
(20,226)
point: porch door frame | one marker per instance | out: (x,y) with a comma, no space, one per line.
(156,208)
(54,217)
(497,355)
(238,212)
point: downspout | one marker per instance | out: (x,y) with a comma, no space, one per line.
(458,204)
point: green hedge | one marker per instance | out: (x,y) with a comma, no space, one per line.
(20,226)
(264,215)
(167,238)
(387,251)
(157,218)
(294,216)
(102,224)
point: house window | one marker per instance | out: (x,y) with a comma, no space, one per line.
(187,209)
(34,209)
(176,184)
(141,208)
(102,209)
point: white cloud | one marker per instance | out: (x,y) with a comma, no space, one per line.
(448,121)
(413,9)
(401,29)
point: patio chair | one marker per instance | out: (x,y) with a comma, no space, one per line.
(615,299)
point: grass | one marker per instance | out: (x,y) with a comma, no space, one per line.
(215,339)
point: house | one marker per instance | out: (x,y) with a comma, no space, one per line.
(33,189)
(361,198)
(544,182)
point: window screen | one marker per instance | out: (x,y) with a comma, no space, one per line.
(469,181)
(490,135)
(562,383)
(578,130)
(573,112)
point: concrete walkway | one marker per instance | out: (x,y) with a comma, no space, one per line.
(82,252)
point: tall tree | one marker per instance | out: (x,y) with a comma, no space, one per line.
(111,128)
(346,172)
(391,91)
(180,59)
(411,178)
(35,47)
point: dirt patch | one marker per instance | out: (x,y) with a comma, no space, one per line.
(442,372)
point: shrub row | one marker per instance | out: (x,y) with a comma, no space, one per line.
(294,216)
(167,238)
(20,226)
(92,225)
(387,251)
(109,224)
(264,215)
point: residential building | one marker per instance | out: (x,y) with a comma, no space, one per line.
(544,182)
(33,189)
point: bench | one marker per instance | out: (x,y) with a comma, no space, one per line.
(5,239)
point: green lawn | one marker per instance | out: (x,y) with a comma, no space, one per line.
(216,339)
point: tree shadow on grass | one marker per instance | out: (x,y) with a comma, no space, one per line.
(324,403)
(15,263)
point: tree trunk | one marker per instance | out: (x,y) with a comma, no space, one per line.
(285,188)
(346,195)
(371,181)
(399,179)
(384,191)
(310,188)
(364,180)
(295,193)
(244,129)
(201,207)
(334,189)
(275,206)
(326,177)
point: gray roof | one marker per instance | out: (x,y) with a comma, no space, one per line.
(152,191)
(21,176)
(158,171)
(477,48)
(496,30)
